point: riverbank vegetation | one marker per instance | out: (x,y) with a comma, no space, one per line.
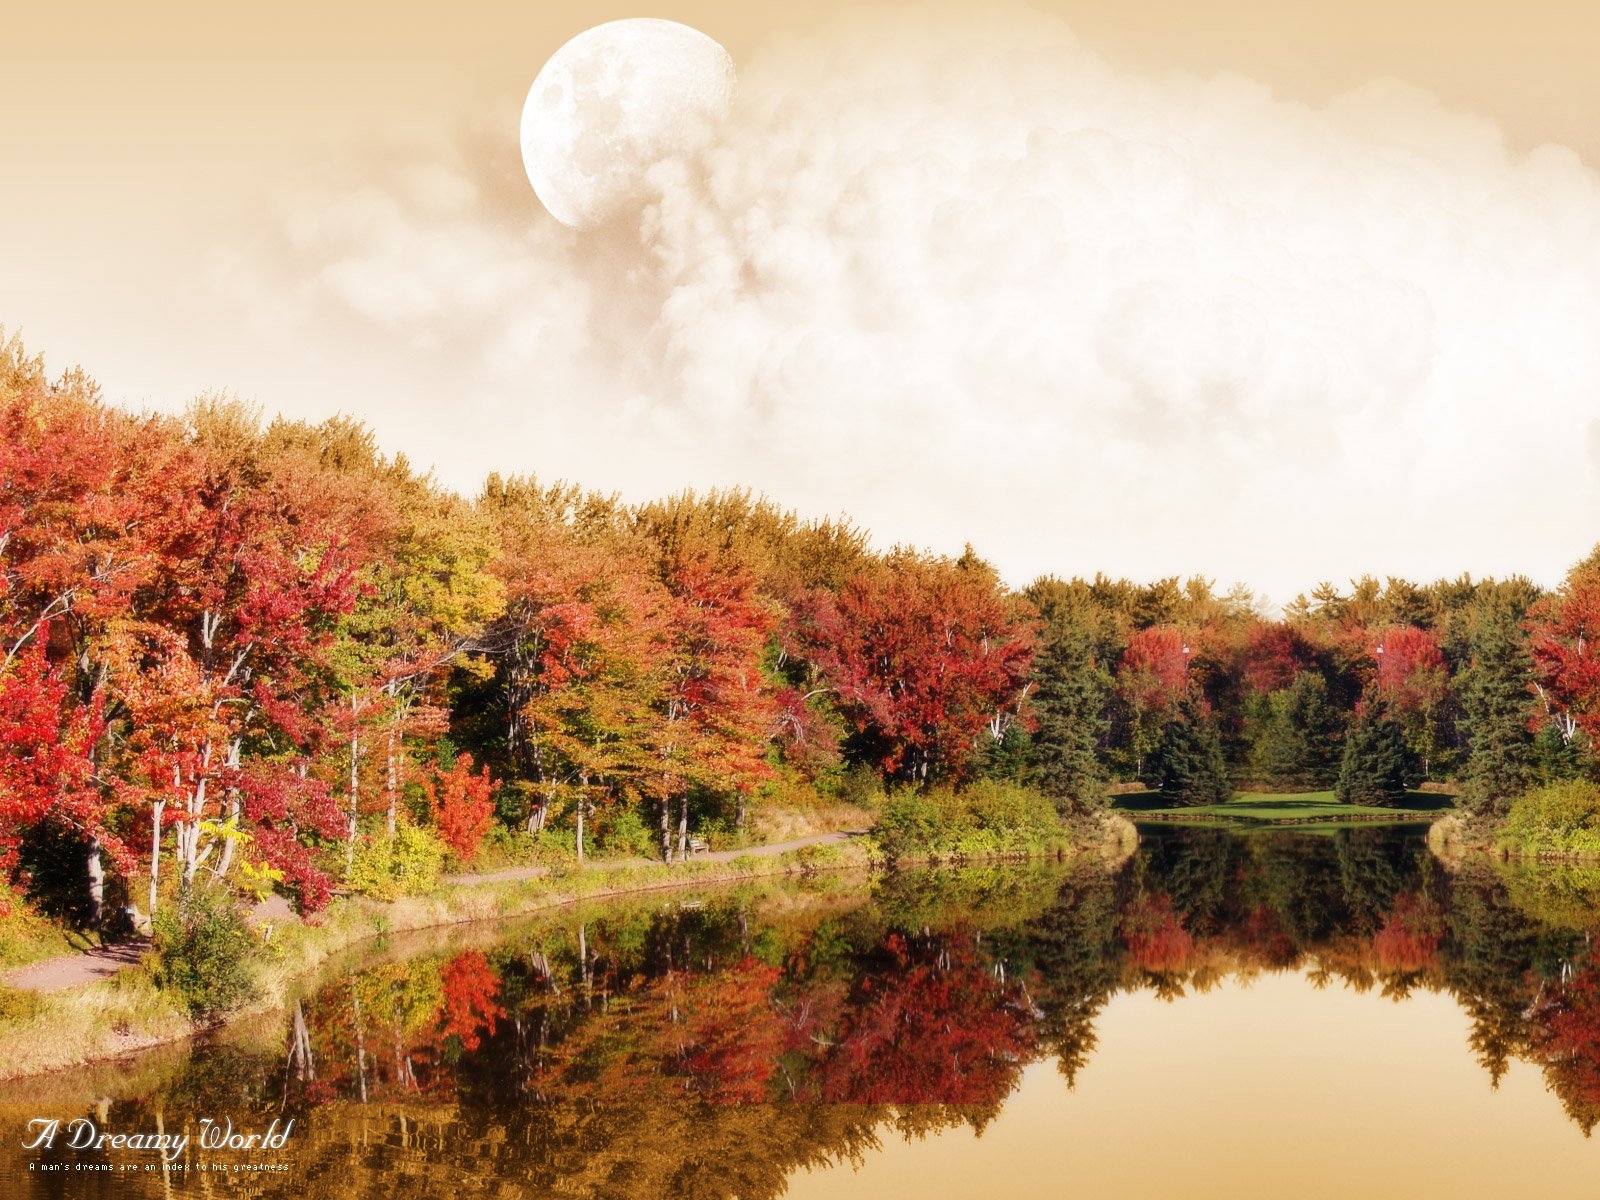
(263,658)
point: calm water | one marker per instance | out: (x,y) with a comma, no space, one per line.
(1223,1015)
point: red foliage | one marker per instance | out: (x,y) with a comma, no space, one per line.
(46,769)
(1567,1029)
(1275,655)
(1411,936)
(471,994)
(939,1028)
(462,804)
(718,710)
(1154,671)
(1411,670)
(1563,633)
(926,656)
(1157,942)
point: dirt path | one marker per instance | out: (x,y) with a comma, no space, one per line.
(767,851)
(70,970)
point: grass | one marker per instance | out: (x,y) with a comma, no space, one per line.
(1265,808)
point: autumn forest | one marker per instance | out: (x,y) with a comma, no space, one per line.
(265,655)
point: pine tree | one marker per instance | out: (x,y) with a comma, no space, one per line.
(1501,756)
(1298,746)
(1190,763)
(1070,702)
(1376,762)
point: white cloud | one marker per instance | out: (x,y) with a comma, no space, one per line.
(972,283)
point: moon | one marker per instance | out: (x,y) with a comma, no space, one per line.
(613,102)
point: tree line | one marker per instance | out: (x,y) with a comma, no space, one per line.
(261,651)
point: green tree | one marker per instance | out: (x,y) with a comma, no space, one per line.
(1070,705)
(1300,732)
(1189,762)
(1501,756)
(1376,764)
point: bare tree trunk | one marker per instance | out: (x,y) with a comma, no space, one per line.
(683,827)
(391,782)
(361,1043)
(666,826)
(581,802)
(226,860)
(355,781)
(158,809)
(97,884)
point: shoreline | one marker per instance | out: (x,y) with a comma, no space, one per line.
(126,1015)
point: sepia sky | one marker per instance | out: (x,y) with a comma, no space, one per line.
(1267,291)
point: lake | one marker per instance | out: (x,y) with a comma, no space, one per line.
(1321,1014)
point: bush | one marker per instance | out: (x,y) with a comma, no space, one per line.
(407,864)
(18,1006)
(625,835)
(1561,818)
(202,954)
(990,817)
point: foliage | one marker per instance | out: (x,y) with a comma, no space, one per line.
(1189,761)
(1497,704)
(1377,765)
(18,1006)
(203,954)
(1560,818)
(927,656)
(625,835)
(462,804)
(1299,743)
(1070,713)
(405,864)
(987,817)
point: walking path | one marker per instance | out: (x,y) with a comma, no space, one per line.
(69,970)
(102,962)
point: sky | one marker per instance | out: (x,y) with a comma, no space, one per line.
(1261,291)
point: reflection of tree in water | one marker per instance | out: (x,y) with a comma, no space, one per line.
(689,1051)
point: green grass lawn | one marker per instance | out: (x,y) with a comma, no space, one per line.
(1270,808)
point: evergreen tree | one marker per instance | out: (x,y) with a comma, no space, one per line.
(1070,703)
(1298,747)
(1501,756)
(1190,763)
(1376,764)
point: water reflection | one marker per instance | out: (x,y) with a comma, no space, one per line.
(715,1047)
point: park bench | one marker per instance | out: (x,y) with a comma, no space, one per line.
(697,844)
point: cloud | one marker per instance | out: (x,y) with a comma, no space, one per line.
(968,281)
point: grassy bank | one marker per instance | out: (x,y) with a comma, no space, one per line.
(1285,808)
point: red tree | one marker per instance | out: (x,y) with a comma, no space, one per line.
(1563,631)
(927,656)
(462,804)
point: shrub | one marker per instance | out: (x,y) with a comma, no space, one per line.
(625,835)
(18,1006)
(202,954)
(990,817)
(462,804)
(1561,818)
(408,864)
(817,857)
